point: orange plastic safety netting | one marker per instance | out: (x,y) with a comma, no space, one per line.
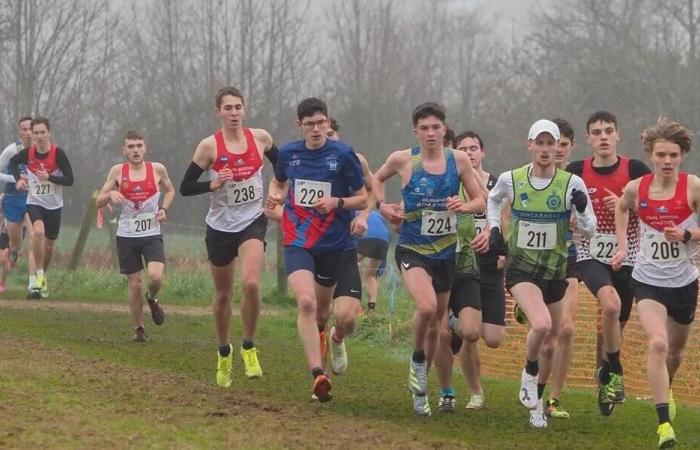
(508,360)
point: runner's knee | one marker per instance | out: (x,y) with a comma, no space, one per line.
(658,346)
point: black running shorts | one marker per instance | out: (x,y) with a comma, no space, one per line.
(50,217)
(441,272)
(680,302)
(132,251)
(222,246)
(596,275)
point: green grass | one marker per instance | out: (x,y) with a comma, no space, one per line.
(373,391)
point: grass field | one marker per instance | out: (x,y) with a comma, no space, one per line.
(71,378)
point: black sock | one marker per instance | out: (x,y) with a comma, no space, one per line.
(224,350)
(532,367)
(317,371)
(662,412)
(540,390)
(418,356)
(605,373)
(614,362)
(247,345)
(321,328)
(670,381)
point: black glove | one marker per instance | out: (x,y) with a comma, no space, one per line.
(579,200)
(497,243)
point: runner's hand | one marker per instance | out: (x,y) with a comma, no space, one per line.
(579,200)
(480,243)
(161,215)
(497,242)
(42,174)
(273,201)
(501,262)
(22,184)
(358,226)
(618,258)
(610,200)
(116,198)
(324,205)
(223,176)
(673,233)
(455,204)
(392,212)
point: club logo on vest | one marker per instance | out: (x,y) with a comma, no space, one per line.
(553,201)
(662,209)
(643,204)
(524,200)
(332,164)
(223,158)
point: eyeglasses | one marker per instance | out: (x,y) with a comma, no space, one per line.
(310,125)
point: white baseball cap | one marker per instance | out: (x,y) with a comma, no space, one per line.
(543,126)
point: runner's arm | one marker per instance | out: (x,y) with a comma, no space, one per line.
(201,160)
(62,160)
(167,186)
(110,184)
(694,195)
(586,221)
(502,191)
(476,190)
(5,156)
(15,161)
(626,203)
(270,150)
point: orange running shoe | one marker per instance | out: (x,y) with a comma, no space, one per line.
(322,388)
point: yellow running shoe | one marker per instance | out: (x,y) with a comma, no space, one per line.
(223,368)
(44,287)
(671,405)
(250,362)
(667,437)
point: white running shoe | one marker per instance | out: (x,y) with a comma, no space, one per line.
(421,407)
(538,419)
(339,357)
(528,390)
(418,377)
(476,401)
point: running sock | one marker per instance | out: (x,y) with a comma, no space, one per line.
(224,350)
(662,412)
(247,345)
(614,362)
(317,371)
(418,356)
(32,281)
(321,329)
(532,367)
(540,390)
(335,337)
(605,373)
(447,392)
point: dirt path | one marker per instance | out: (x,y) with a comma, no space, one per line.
(52,398)
(113,307)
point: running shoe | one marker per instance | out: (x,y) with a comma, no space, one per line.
(519,315)
(251,363)
(339,357)
(671,405)
(418,377)
(371,306)
(605,406)
(446,403)
(139,335)
(421,407)
(224,366)
(528,390)
(538,418)
(322,388)
(555,410)
(44,291)
(616,388)
(667,437)
(157,313)
(476,401)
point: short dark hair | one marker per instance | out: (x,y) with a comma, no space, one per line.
(470,134)
(228,90)
(428,109)
(22,119)
(133,135)
(666,130)
(449,139)
(39,120)
(335,126)
(565,128)
(601,116)
(310,106)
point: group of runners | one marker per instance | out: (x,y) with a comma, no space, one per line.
(629,233)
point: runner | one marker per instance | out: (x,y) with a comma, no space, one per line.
(542,198)
(48,170)
(372,247)
(5,265)
(477,300)
(236,224)
(556,362)
(430,175)
(134,186)
(606,174)
(320,181)
(14,202)
(665,277)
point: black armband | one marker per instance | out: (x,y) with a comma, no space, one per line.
(271,155)
(190,185)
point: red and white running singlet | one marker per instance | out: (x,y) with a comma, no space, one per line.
(138,216)
(43,193)
(603,245)
(660,262)
(239,202)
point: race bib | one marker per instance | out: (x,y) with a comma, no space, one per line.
(307,192)
(480,225)
(142,223)
(660,251)
(537,236)
(438,223)
(239,193)
(603,247)
(41,188)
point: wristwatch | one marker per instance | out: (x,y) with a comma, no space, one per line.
(686,236)
(378,204)
(341,202)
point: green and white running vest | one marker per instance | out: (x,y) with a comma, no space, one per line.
(537,244)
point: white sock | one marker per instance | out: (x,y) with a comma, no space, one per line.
(32,281)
